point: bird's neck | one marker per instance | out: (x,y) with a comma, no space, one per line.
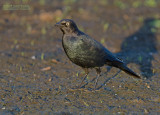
(72,33)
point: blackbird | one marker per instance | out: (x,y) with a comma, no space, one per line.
(86,52)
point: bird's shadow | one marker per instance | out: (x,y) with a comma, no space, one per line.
(139,47)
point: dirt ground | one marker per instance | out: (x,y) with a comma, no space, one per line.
(36,77)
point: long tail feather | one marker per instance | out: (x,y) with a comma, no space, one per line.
(129,71)
(123,67)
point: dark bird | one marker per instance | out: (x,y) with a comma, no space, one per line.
(86,52)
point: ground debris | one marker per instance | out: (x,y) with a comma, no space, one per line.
(55,61)
(46,68)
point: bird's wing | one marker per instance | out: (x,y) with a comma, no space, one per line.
(95,49)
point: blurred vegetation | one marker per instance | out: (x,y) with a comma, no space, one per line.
(136,4)
(150,3)
(156,23)
(120,4)
(69,2)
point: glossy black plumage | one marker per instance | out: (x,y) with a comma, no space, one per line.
(86,52)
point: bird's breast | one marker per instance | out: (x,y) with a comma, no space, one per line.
(71,46)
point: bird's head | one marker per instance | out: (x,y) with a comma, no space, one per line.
(67,26)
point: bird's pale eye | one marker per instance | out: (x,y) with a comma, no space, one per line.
(67,23)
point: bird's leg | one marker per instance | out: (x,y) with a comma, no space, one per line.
(86,74)
(98,70)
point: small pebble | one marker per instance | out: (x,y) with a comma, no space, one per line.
(33,57)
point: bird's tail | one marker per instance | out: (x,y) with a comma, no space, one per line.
(123,67)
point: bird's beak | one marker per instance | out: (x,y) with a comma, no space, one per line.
(58,24)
